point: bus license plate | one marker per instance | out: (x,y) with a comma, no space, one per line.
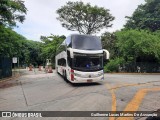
(89,80)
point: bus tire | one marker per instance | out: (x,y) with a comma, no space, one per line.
(65,76)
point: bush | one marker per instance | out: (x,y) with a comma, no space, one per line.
(113,65)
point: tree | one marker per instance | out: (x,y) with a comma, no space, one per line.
(146,16)
(10,42)
(84,18)
(31,52)
(50,45)
(135,45)
(109,43)
(12,11)
(14,45)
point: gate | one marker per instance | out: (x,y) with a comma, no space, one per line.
(144,67)
(5,67)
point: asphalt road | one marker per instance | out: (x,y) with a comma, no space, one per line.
(40,91)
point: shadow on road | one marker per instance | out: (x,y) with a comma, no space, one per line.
(84,84)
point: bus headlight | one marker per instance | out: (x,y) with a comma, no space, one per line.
(100,73)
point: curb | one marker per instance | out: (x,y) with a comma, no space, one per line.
(137,73)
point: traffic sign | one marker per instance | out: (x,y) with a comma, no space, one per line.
(14,59)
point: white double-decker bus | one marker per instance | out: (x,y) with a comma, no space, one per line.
(80,59)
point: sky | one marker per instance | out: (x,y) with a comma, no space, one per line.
(41,16)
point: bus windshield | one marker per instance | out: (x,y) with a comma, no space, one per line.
(88,63)
(84,42)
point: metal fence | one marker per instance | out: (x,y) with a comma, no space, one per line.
(141,67)
(5,67)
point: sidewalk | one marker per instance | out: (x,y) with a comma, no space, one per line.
(12,81)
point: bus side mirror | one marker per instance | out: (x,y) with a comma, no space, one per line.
(106,55)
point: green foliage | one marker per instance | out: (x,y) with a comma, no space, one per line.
(28,51)
(86,19)
(134,44)
(157,33)
(146,16)
(10,42)
(31,52)
(14,45)
(50,45)
(138,41)
(12,11)
(109,43)
(113,65)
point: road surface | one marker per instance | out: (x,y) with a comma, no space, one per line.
(40,91)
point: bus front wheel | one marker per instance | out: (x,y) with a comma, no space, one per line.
(65,76)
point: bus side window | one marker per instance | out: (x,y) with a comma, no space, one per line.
(69,59)
(62,62)
(59,62)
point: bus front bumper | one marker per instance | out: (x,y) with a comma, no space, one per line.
(88,80)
